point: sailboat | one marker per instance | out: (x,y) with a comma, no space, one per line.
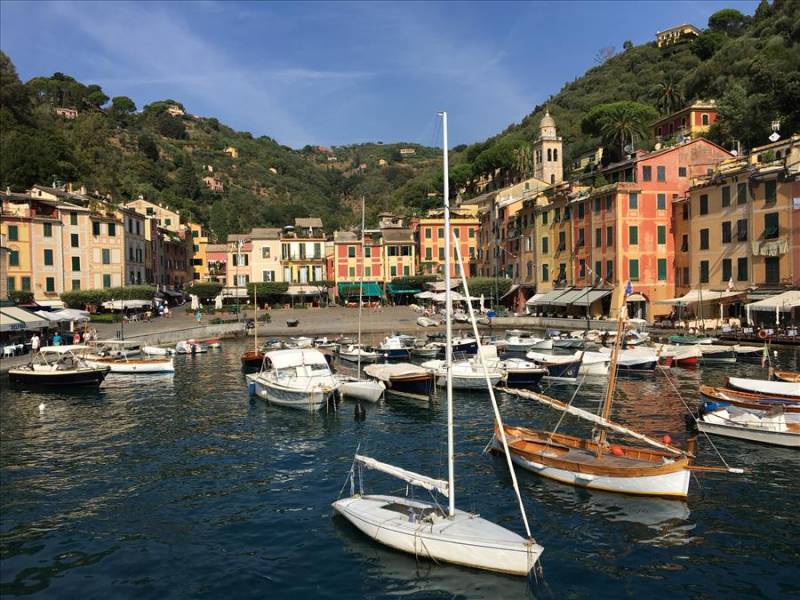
(361,389)
(661,470)
(252,359)
(424,528)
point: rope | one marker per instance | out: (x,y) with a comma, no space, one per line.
(564,413)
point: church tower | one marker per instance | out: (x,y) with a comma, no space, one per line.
(547,152)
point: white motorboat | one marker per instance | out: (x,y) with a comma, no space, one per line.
(774,426)
(427,322)
(113,348)
(356,353)
(426,351)
(61,367)
(136,365)
(156,351)
(522,341)
(781,389)
(190,347)
(521,373)
(634,359)
(364,389)
(297,378)
(395,347)
(301,342)
(425,529)
(467,374)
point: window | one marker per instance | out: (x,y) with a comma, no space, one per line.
(567,213)
(13,233)
(661,202)
(562,240)
(367,271)
(441,253)
(661,173)
(428,253)
(557,215)
(107,256)
(582,268)
(456,232)
(770,191)
(50,284)
(428,233)
(772,268)
(406,271)
(633,269)
(106,280)
(545,245)
(441,233)
(704,204)
(727,269)
(726,196)
(703,271)
(609,202)
(633,200)
(633,235)
(74,240)
(11,282)
(741,269)
(95,228)
(598,269)
(662,269)
(597,205)
(661,234)
(76,263)
(168,222)
(268,276)
(544,217)
(609,236)
(549,155)
(726,232)
(351,251)
(367,251)
(73,218)
(76,284)
(471,232)
(405,250)
(545,272)
(685,275)
(685,243)
(741,230)
(704,239)
(47,229)
(647,173)
(685,211)
(681,171)
(581,210)
(112,229)
(26,284)
(598,237)
(609,270)
(771,229)
(705,118)
(13,258)
(562,272)
(48,258)
(393,271)
(581,239)
(741,193)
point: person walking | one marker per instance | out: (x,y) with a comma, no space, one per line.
(57,339)
(36,343)
(87,335)
(76,338)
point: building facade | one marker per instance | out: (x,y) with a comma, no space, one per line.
(688,123)
(429,233)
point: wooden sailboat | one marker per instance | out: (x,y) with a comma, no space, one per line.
(661,470)
(789,376)
(426,529)
(252,359)
(362,389)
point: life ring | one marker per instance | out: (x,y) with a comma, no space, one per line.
(762,334)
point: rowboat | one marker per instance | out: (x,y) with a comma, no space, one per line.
(747,399)
(778,389)
(774,426)
(788,376)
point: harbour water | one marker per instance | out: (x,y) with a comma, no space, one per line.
(183,487)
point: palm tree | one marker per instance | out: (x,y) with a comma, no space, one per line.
(668,97)
(622,125)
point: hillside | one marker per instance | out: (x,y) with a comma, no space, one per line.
(750,65)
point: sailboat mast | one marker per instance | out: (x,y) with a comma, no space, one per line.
(255,319)
(360,292)
(448,306)
(612,369)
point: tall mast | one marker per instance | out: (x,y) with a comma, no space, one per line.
(360,291)
(448,306)
(612,368)
(255,318)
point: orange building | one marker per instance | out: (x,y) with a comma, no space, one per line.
(689,122)
(429,231)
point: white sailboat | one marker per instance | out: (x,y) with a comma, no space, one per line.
(361,389)
(425,529)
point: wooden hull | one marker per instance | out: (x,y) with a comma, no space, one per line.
(748,400)
(788,376)
(252,359)
(572,460)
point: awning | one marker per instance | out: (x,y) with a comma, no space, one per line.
(396,289)
(439,286)
(636,298)
(550,296)
(426,295)
(68,314)
(697,296)
(51,303)
(784,302)
(13,318)
(126,304)
(570,297)
(369,288)
(593,296)
(532,300)
(510,291)
(304,290)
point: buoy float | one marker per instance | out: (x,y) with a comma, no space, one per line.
(617,451)
(666,439)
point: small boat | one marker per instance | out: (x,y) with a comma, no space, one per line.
(301,342)
(635,359)
(778,389)
(559,368)
(135,365)
(292,322)
(717,354)
(568,342)
(522,341)
(747,399)
(462,346)
(156,351)
(297,378)
(681,356)
(363,389)
(466,374)
(591,363)
(426,322)
(190,347)
(213,344)
(324,343)
(252,359)
(788,376)
(61,366)
(748,354)
(773,426)
(355,353)
(113,348)
(394,348)
(426,351)
(521,373)
(403,379)
(690,340)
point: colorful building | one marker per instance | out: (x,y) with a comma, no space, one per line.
(15,228)
(265,255)
(676,35)
(217,261)
(688,123)
(199,252)
(303,252)
(429,233)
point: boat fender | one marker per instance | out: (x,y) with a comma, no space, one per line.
(360,412)
(709,407)
(762,334)
(617,451)
(666,439)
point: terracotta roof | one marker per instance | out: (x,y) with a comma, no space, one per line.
(344,236)
(265,233)
(314,222)
(397,235)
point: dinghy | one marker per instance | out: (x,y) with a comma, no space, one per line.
(788,376)
(779,389)
(774,426)
(747,399)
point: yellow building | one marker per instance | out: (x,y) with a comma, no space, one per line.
(676,35)
(554,240)
(15,227)
(199,252)
(77,254)
(265,255)
(166,218)
(303,252)
(238,261)
(690,122)
(464,224)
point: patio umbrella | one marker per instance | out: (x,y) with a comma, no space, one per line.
(483,300)
(218,302)
(195,302)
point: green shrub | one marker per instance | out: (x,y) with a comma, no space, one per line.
(104,318)
(206,290)
(95,297)
(265,317)
(20,296)
(267,291)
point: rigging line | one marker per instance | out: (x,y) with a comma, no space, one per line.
(564,413)
(680,397)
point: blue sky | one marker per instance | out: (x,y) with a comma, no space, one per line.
(336,73)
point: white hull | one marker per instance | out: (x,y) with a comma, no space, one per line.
(774,438)
(310,400)
(670,484)
(156,351)
(155,366)
(371,391)
(469,382)
(464,539)
(760,386)
(366,357)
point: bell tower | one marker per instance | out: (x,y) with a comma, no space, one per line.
(547,152)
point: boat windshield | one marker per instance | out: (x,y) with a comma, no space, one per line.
(312,370)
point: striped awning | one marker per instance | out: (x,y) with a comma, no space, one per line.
(570,297)
(553,295)
(13,318)
(591,297)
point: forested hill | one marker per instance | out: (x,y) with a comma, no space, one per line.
(749,64)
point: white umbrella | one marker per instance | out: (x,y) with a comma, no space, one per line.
(195,302)
(777,314)
(218,302)
(424,295)
(483,300)
(441,297)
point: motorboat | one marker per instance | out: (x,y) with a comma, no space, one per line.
(356,353)
(682,356)
(522,341)
(635,359)
(301,342)
(156,351)
(521,373)
(393,347)
(426,351)
(427,322)
(214,344)
(297,378)
(778,389)
(466,374)
(113,348)
(190,347)
(712,353)
(403,379)
(324,343)
(774,426)
(591,363)
(61,366)
(691,340)
(135,365)
(462,346)
(360,389)
(559,368)
(748,354)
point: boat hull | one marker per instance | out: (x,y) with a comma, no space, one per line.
(252,359)
(413,386)
(463,539)
(82,377)
(366,357)
(395,353)
(563,370)
(371,391)
(310,400)
(523,377)
(470,382)
(141,367)
(773,438)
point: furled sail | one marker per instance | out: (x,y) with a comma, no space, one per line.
(423,481)
(584,414)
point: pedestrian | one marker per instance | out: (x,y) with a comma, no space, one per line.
(94,335)
(57,339)
(166,312)
(87,335)
(35,343)
(76,339)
